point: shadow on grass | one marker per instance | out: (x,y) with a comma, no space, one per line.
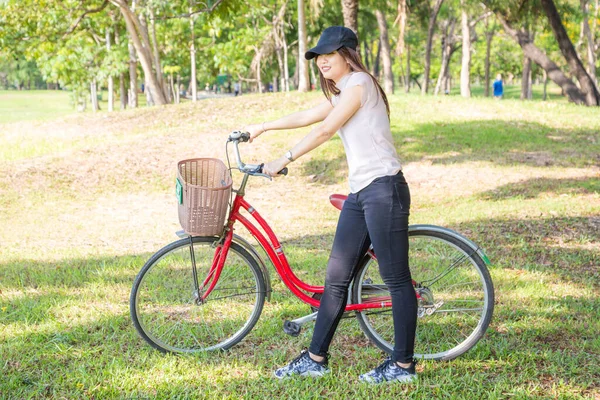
(531,188)
(564,246)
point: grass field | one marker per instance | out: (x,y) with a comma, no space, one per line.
(43,105)
(85,199)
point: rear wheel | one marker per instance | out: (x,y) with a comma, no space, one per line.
(170,315)
(454,290)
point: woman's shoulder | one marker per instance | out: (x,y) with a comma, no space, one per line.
(359,77)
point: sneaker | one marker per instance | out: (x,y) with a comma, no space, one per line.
(389,371)
(303,365)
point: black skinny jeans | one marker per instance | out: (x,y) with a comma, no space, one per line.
(377,214)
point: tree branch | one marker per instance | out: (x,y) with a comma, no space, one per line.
(82,16)
(479,19)
(192,13)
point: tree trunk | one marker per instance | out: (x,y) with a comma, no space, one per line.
(591,54)
(444,64)
(407,79)
(177,96)
(350,11)
(376,62)
(257,72)
(138,33)
(157,63)
(296,75)
(279,54)
(526,79)
(94,95)
(427,67)
(541,59)
(447,51)
(367,56)
(111,89)
(402,20)
(588,87)
(132,95)
(278,32)
(286,68)
(122,91)
(193,79)
(388,76)
(545,85)
(313,76)
(489,35)
(465,70)
(303,82)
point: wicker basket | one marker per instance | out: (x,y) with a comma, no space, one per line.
(203,192)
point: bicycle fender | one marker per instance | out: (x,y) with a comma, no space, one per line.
(456,235)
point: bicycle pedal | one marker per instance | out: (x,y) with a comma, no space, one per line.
(292,328)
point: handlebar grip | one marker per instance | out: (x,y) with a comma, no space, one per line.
(245,136)
(283,171)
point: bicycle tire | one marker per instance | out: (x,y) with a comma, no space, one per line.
(164,307)
(446,333)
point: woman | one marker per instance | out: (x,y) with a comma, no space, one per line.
(376,210)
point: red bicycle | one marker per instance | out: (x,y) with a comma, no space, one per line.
(207,293)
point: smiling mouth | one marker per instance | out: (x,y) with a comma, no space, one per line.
(325,69)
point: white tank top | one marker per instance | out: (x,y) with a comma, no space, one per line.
(366,135)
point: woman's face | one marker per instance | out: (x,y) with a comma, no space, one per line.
(333,66)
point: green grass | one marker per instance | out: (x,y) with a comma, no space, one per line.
(27,105)
(30,105)
(513,92)
(81,215)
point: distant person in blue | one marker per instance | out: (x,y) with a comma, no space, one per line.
(498,87)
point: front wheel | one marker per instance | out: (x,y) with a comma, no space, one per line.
(454,292)
(172,316)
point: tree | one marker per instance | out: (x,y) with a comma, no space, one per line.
(589,37)
(140,37)
(490,31)
(449,46)
(510,14)
(350,11)
(465,71)
(401,49)
(430,28)
(588,87)
(388,77)
(303,81)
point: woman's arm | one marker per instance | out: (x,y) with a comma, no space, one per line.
(291,121)
(348,105)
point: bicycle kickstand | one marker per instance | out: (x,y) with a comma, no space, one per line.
(294,327)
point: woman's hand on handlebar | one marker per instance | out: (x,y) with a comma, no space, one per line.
(272,168)
(255,130)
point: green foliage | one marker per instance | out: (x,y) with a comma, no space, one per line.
(40,40)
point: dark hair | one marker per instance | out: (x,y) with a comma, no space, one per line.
(353,58)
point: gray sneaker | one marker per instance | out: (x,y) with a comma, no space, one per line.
(389,371)
(303,365)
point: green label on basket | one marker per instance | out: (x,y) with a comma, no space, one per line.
(179,191)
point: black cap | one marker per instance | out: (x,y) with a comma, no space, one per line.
(332,39)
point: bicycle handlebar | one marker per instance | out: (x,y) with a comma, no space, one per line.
(251,169)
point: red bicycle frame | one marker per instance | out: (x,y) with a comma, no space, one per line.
(273,248)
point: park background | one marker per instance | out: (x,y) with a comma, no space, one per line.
(88,162)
